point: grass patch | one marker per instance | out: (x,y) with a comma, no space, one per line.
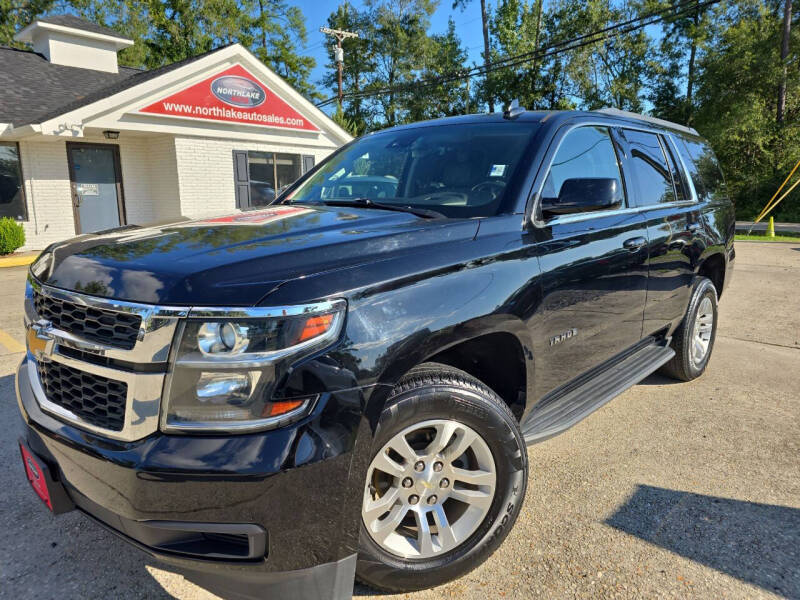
(755,237)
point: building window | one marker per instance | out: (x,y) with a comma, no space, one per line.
(12,197)
(261,176)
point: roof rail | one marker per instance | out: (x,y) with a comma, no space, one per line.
(654,120)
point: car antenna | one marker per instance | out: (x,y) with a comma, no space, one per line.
(513,110)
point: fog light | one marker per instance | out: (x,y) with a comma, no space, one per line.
(217,388)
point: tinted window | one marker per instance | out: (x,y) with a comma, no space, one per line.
(649,168)
(703,169)
(12,202)
(677,173)
(269,173)
(457,170)
(585,152)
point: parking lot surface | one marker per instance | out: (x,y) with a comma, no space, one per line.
(671,490)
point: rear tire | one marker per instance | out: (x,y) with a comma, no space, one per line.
(441,429)
(693,340)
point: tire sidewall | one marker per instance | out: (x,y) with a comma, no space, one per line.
(501,433)
(703,289)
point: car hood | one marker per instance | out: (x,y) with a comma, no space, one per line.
(238,259)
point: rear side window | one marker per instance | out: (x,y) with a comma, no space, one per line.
(703,169)
(585,152)
(651,175)
(681,192)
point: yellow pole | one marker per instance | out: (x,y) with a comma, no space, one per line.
(767,208)
(771,227)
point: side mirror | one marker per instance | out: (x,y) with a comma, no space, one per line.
(584,194)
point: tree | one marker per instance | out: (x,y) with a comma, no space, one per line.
(359,61)
(278,29)
(16,14)
(486,45)
(675,66)
(443,55)
(787,31)
(738,75)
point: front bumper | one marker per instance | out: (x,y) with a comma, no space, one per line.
(287,493)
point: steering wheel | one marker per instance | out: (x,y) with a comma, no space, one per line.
(495,188)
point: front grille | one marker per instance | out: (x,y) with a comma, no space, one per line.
(117,329)
(97,400)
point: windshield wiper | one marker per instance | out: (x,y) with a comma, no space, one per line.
(367,203)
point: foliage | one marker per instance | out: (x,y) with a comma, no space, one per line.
(763,238)
(395,51)
(12,235)
(167,31)
(716,67)
(16,14)
(343,121)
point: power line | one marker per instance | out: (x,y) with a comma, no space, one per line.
(617,29)
(551,50)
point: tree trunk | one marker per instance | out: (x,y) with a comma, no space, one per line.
(787,28)
(485,21)
(690,73)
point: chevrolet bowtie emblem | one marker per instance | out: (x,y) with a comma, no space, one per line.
(40,341)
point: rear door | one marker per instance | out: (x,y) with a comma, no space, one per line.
(594,267)
(659,186)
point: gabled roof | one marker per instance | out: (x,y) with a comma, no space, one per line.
(138,76)
(78,23)
(31,86)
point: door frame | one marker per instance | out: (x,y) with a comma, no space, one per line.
(123,219)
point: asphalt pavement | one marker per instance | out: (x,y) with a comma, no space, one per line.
(673,490)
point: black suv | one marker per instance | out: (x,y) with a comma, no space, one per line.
(344,383)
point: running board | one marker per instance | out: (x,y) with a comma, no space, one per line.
(566,407)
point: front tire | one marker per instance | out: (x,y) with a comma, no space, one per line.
(447,479)
(693,340)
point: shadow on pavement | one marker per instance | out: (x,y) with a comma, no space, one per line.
(756,543)
(656,379)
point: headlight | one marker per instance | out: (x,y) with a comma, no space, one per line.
(227,363)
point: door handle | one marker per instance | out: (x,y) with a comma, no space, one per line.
(693,227)
(634,243)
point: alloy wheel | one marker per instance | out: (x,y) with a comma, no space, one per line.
(703,329)
(428,489)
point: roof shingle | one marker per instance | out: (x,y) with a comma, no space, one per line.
(30,85)
(33,90)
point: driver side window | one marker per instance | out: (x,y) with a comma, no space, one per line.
(586,154)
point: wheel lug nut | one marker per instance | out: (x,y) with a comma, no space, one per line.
(413,499)
(432,500)
(419,466)
(407,482)
(444,482)
(437,466)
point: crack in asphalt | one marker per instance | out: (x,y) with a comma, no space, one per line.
(740,339)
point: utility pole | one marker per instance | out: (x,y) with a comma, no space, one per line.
(339,55)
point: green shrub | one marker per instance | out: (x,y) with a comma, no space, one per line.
(12,235)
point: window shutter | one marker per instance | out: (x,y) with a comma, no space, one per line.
(308,163)
(241,178)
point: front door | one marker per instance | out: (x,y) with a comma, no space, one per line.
(96,186)
(594,269)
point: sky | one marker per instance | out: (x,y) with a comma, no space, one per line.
(468,27)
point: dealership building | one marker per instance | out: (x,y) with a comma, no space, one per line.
(87,145)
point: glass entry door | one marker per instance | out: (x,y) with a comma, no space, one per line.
(96,186)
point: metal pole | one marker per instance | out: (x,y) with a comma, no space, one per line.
(341,68)
(339,35)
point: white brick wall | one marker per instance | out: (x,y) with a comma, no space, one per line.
(47,192)
(163,177)
(205,171)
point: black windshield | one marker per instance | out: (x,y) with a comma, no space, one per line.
(457,170)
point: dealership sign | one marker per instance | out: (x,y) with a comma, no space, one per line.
(235,96)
